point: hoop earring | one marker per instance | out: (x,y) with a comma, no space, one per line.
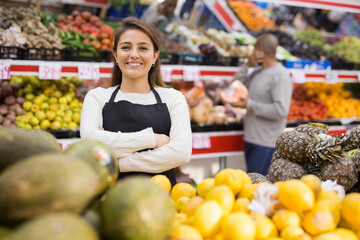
(153,65)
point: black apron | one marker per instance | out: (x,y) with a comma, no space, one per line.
(125,116)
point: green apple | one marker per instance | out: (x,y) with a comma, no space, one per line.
(55,125)
(60,113)
(53,100)
(63,100)
(29,96)
(27,105)
(76,117)
(21,125)
(54,107)
(72,126)
(63,106)
(44,106)
(38,100)
(45,124)
(64,125)
(34,108)
(50,115)
(40,115)
(34,121)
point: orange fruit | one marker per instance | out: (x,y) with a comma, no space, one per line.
(346,234)
(323,218)
(207,218)
(239,226)
(295,195)
(230,177)
(285,218)
(313,182)
(182,189)
(265,228)
(351,208)
(185,232)
(291,232)
(204,187)
(162,181)
(241,205)
(223,195)
(191,205)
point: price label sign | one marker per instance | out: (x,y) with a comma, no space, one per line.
(201,141)
(49,70)
(4,70)
(298,76)
(166,73)
(331,77)
(89,71)
(191,73)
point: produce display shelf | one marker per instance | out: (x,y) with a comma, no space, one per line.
(186,72)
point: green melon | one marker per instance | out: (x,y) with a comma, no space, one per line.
(100,157)
(136,208)
(4,233)
(55,226)
(44,183)
(16,144)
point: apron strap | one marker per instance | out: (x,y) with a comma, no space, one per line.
(113,95)
(157,96)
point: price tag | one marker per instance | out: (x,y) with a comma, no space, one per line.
(331,77)
(89,71)
(298,76)
(4,70)
(201,142)
(191,73)
(166,73)
(49,70)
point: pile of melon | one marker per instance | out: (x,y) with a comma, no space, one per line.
(50,194)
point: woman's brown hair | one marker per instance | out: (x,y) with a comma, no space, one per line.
(131,23)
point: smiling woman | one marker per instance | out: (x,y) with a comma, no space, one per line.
(146,123)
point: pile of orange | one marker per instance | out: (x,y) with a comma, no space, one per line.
(251,15)
(339,101)
(219,209)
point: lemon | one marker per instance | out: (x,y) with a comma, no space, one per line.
(244,176)
(185,232)
(207,218)
(295,195)
(204,187)
(327,194)
(180,203)
(328,236)
(346,234)
(291,232)
(265,228)
(230,177)
(162,181)
(303,236)
(239,226)
(248,191)
(312,181)
(351,208)
(323,218)
(223,195)
(191,205)
(285,218)
(241,205)
(182,189)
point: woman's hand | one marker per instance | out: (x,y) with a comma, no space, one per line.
(161,139)
(101,128)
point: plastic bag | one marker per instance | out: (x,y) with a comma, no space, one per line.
(234,92)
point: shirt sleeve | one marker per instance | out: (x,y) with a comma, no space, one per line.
(173,154)
(279,108)
(123,144)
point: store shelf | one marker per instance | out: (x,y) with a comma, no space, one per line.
(186,72)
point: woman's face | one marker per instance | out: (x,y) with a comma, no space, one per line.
(135,54)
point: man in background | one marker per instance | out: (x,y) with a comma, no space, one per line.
(160,14)
(267,104)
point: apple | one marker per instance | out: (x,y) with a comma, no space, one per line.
(50,115)
(45,124)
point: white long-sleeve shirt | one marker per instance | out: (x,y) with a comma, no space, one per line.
(126,145)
